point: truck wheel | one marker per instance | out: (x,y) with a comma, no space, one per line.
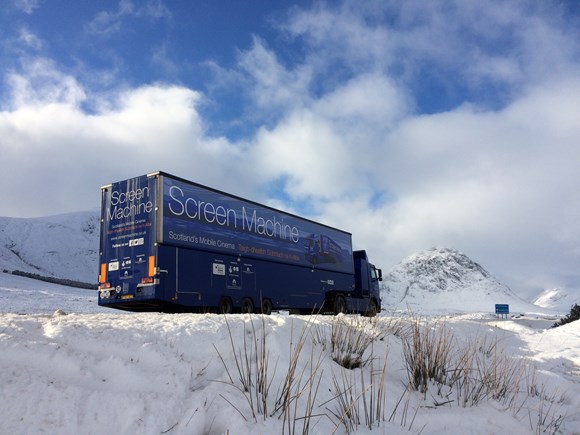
(225,306)
(247,306)
(372,309)
(267,307)
(339,304)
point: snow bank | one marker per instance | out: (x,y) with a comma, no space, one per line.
(100,371)
(158,373)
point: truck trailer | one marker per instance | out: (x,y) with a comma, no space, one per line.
(171,245)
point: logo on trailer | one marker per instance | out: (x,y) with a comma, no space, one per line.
(219,269)
(137,242)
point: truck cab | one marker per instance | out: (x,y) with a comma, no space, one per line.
(366,278)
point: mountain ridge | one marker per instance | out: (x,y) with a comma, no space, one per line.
(446,279)
(60,246)
(557,298)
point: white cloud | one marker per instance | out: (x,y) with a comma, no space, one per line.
(329,149)
(41,83)
(343,33)
(367,100)
(273,87)
(107,23)
(497,184)
(156,9)
(62,153)
(161,58)
(27,6)
(30,39)
(471,43)
(305,149)
(501,183)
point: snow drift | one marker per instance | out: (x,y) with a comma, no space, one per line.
(158,373)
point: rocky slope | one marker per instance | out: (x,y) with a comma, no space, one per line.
(446,280)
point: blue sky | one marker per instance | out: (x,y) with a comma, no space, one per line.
(410,124)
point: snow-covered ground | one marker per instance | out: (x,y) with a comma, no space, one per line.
(22,295)
(101,371)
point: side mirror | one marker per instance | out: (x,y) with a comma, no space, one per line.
(380,273)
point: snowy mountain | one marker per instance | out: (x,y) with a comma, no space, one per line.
(62,246)
(446,280)
(557,299)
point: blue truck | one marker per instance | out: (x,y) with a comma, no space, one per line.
(171,245)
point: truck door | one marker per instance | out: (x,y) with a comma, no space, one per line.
(168,273)
(361,272)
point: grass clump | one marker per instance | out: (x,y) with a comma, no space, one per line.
(350,339)
(295,398)
(450,371)
(427,353)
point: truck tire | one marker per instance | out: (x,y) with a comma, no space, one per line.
(267,307)
(226,306)
(339,305)
(372,309)
(247,306)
